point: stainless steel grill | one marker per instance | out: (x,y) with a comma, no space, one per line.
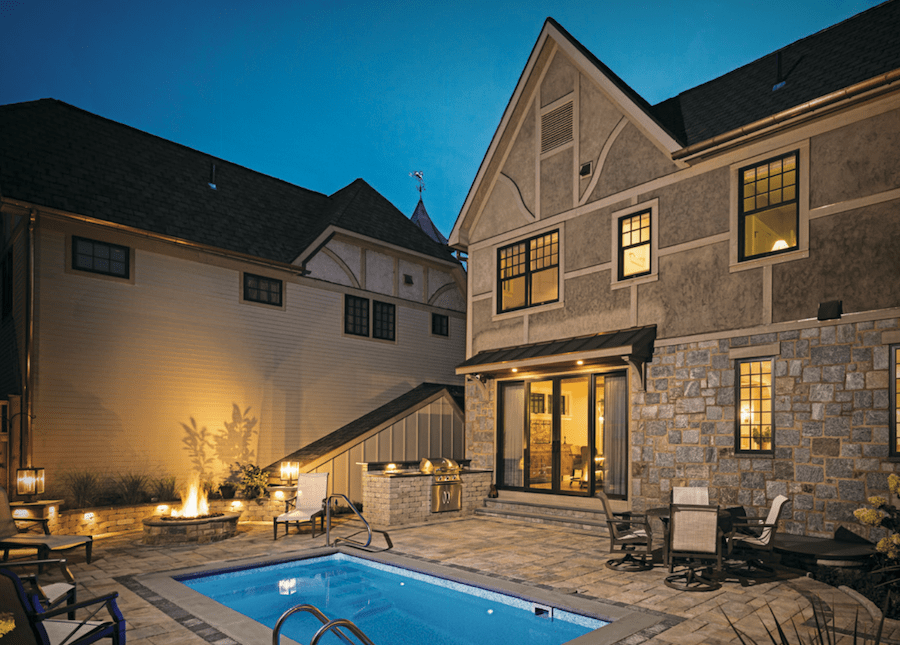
(446,487)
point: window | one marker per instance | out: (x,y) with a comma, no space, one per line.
(895,400)
(100,257)
(260,289)
(634,245)
(440,325)
(383,320)
(755,395)
(529,272)
(356,316)
(768,207)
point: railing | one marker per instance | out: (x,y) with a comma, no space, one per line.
(327,626)
(350,540)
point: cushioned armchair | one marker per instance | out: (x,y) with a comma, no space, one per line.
(629,533)
(751,538)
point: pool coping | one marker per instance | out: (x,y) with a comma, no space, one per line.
(214,621)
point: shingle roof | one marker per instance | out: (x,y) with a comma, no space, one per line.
(421,219)
(56,155)
(849,52)
(372,420)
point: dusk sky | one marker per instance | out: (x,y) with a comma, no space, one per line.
(320,93)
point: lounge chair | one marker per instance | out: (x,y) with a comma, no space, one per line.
(52,594)
(12,537)
(306,505)
(695,542)
(629,533)
(34,626)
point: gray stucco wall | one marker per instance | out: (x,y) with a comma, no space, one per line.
(556,183)
(519,165)
(560,79)
(703,201)
(491,334)
(632,161)
(853,257)
(590,305)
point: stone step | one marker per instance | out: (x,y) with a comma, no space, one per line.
(550,514)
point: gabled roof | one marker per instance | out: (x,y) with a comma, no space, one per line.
(421,219)
(58,156)
(341,437)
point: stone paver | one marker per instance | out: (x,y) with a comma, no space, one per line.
(563,560)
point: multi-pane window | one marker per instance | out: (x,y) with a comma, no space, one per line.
(356,315)
(755,396)
(383,320)
(100,257)
(895,400)
(634,245)
(261,289)
(529,272)
(440,325)
(768,214)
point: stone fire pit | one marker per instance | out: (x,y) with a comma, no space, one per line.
(184,530)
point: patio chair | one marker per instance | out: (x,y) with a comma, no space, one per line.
(12,537)
(695,543)
(306,505)
(751,537)
(34,626)
(695,495)
(52,594)
(629,533)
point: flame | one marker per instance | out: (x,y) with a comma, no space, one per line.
(193,504)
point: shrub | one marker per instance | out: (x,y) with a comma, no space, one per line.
(132,488)
(165,488)
(85,487)
(253,480)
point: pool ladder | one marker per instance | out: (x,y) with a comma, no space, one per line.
(327,626)
(350,540)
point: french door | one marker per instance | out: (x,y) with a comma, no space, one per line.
(564,434)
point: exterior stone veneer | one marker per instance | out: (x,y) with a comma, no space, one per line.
(398,500)
(831,425)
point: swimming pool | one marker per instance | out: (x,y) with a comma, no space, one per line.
(390,604)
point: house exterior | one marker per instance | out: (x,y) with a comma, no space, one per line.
(702,292)
(168,312)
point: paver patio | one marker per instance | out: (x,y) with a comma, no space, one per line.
(537,555)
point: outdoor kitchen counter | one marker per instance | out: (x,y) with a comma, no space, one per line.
(403,496)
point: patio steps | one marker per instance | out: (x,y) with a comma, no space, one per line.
(555,515)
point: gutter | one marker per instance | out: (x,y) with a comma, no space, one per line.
(873,87)
(26,446)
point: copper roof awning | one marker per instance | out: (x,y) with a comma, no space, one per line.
(629,345)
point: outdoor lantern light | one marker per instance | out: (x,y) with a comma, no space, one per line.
(30,481)
(290,470)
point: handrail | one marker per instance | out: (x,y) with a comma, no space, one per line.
(328,519)
(315,611)
(341,622)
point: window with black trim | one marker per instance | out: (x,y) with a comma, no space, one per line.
(754,398)
(383,320)
(440,324)
(100,257)
(634,245)
(356,315)
(258,288)
(528,273)
(768,207)
(895,400)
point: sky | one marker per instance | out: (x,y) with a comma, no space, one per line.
(321,93)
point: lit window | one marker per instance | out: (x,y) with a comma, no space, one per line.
(768,214)
(440,325)
(529,272)
(634,245)
(383,320)
(260,289)
(755,396)
(100,257)
(356,316)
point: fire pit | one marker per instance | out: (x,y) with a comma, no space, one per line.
(193,524)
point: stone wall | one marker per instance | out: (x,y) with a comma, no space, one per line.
(480,423)
(395,501)
(831,419)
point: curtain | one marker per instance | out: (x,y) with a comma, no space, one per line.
(616,422)
(513,429)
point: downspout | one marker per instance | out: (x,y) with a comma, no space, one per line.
(25,441)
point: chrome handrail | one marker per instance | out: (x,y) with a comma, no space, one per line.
(341,622)
(315,611)
(328,520)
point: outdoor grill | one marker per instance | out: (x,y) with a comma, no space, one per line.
(446,487)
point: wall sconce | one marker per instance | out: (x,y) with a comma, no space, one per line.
(236,504)
(30,481)
(89,516)
(290,471)
(162,508)
(279,494)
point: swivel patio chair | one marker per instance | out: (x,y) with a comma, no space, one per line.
(695,543)
(306,505)
(34,626)
(750,538)
(696,495)
(12,537)
(629,533)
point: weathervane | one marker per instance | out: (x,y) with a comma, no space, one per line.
(420,179)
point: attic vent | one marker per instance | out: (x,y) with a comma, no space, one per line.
(556,127)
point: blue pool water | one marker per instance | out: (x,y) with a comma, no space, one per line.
(391,605)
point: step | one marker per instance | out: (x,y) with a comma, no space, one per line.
(549,514)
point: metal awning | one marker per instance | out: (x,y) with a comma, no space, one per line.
(631,346)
